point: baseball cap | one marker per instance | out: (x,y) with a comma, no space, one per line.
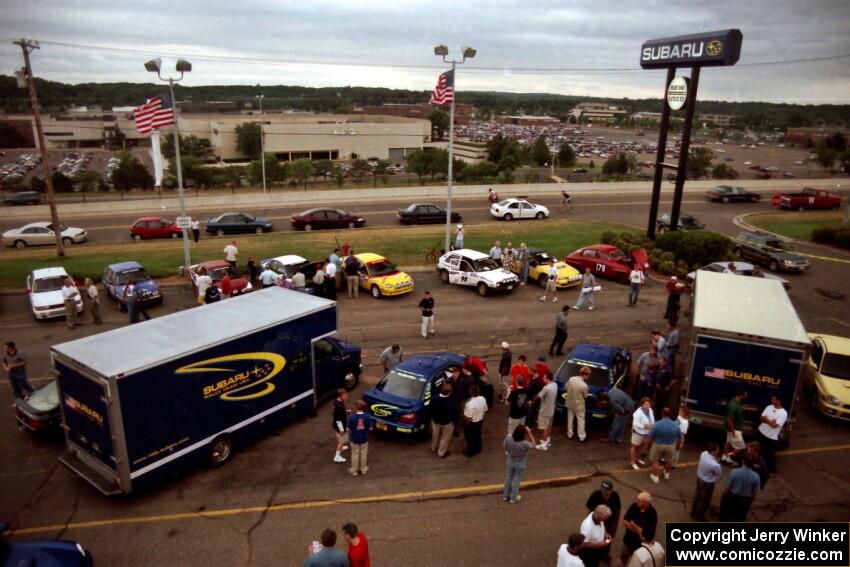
(541,358)
(607,485)
(505,344)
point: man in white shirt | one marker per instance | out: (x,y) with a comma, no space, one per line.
(596,539)
(642,421)
(299,282)
(268,277)
(576,403)
(230,252)
(773,418)
(568,552)
(473,413)
(69,299)
(636,279)
(650,553)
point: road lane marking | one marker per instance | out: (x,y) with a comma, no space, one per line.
(828,258)
(393,497)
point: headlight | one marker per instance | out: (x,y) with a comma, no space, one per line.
(788,262)
(833,400)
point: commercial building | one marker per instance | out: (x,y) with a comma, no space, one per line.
(470,152)
(804,136)
(464,113)
(716,119)
(527,120)
(597,112)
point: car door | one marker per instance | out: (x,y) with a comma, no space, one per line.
(526,210)
(109,281)
(455,275)
(38,235)
(244,223)
(330,219)
(432,214)
(590,260)
(327,360)
(813,365)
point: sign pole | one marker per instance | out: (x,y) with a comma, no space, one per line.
(682,172)
(451,163)
(659,157)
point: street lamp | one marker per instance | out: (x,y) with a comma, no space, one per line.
(467,53)
(262,143)
(183,66)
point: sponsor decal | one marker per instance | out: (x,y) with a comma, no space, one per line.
(749,377)
(82,408)
(382,410)
(245,376)
(714,47)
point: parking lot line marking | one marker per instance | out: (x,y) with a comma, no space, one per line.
(394,497)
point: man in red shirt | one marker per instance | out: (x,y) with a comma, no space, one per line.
(520,369)
(541,367)
(358,547)
(226,286)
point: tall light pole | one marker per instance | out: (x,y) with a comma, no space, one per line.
(183,66)
(262,143)
(468,53)
(27,46)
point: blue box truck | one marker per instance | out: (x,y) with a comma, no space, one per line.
(745,333)
(145,401)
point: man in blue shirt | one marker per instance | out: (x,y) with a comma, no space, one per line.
(665,435)
(622,405)
(742,485)
(325,555)
(708,471)
(359,426)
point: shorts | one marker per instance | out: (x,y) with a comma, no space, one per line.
(341,438)
(638,439)
(736,440)
(662,452)
(552,284)
(544,421)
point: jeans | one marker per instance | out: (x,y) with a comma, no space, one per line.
(768,450)
(618,427)
(440,437)
(427,326)
(634,292)
(20,386)
(523,273)
(557,345)
(458,243)
(584,295)
(702,499)
(514,471)
(734,508)
(132,312)
(359,458)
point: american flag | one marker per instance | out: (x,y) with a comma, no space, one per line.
(155,113)
(444,92)
(712,372)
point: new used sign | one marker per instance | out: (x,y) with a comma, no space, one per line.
(712,49)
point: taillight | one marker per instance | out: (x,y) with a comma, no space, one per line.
(408,418)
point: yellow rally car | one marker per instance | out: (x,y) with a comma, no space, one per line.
(381,277)
(828,375)
(538,269)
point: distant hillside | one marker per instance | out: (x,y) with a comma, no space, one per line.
(55,96)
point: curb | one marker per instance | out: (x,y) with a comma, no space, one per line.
(742,223)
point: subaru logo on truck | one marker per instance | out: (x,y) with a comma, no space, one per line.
(246,372)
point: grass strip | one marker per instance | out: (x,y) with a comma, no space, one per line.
(796,225)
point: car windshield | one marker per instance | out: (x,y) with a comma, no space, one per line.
(62,227)
(836,366)
(542,257)
(598,376)
(382,268)
(137,275)
(504,203)
(485,265)
(402,384)
(42,285)
(46,398)
(410,208)
(777,245)
(166,222)
(217,273)
(617,255)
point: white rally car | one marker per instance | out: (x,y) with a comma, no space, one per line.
(511,209)
(44,288)
(473,268)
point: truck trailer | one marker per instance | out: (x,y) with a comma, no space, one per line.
(745,334)
(144,402)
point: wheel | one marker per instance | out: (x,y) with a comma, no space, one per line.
(174,235)
(754,199)
(20,244)
(376,292)
(725,199)
(540,216)
(414,220)
(773,266)
(482,289)
(259,230)
(220,450)
(737,252)
(542,280)
(352,225)
(444,276)
(508,217)
(350,381)
(220,232)
(308,227)
(137,237)
(801,208)
(67,241)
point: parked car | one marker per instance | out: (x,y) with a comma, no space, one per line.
(44,289)
(42,553)
(473,268)
(686,223)
(609,368)
(828,375)
(381,277)
(727,193)
(607,261)
(154,227)
(741,269)
(116,277)
(285,266)
(40,412)
(511,209)
(24,198)
(580,170)
(326,218)
(400,401)
(770,251)
(235,223)
(538,269)
(42,233)
(216,269)
(807,199)
(421,213)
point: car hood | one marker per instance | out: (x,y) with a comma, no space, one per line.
(835,387)
(143,285)
(45,298)
(72,231)
(388,402)
(392,279)
(566,271)
(46,553)
(498,276)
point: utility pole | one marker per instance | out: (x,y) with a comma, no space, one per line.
(27,46)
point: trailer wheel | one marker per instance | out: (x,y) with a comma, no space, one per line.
(220,451)
(350,381)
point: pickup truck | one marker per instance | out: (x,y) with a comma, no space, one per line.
(807,199)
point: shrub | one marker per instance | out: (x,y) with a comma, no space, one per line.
(824,235)
(695,248)
(842,238)
(608,237)
(666,267)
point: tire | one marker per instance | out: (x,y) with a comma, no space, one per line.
(219,232)
(737,252)
(801,208)
(67,241)
(540,216)
(174,235)
(754,199)
(376,292)
(220,450)
(508,217)
(308,227)
(773,266)
(352,224)
(413,220)
(350,381)
(259,230)
(541,281)
(482,289)
(444,276)
(137,237)
(725,199)
(20,244)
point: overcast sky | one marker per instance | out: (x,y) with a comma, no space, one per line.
(321,42)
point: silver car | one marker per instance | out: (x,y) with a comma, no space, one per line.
(42,233)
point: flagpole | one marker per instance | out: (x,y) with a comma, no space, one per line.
(186,260)
(451,161)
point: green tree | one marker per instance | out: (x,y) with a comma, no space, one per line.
(323,168)
(844,160)
(301,170)
(419,163)
(495,147)
(512,155)
(360,168)
(62,183)
(248,141)
(131,173)
(275,171)
(616,165)
(566,156)
(723,171)
(826,157)
(189,146)
(699,160)
(540,153)
(439,124)
(836,142)
(480,171)
(88,181)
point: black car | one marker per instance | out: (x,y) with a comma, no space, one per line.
(727,193)
(24,198)
(686,223)
(234,223)
(421,213)
(326,218)
(768,250)
(40,411)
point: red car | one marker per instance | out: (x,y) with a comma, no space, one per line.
(807,199)
(216,270)
(154,227)
(607,261)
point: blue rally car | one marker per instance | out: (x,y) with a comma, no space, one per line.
(46,553)
(401,401)
(116,276)
(609,367)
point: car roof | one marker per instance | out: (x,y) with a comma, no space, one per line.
(213,264)
(600,247)
(422,205)
(427,364)
(593,352)
(369,257)
(48,272)
(43,224)
(834,343)
(317,209)
(759,235)
(469,253)
(286,259)
(148,219)
(535,250)
(125,266)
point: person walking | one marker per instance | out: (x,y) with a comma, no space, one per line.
(665,436)
(352,276)
(253,270)
(708,471)
(588,282)
(643,419)
(443,416)
(230,252)
(473,413)
(509,257)
(391,357)
(517,405)
(196,230)
(650,553)
(323,554)
(359,425)
(358,546)
(551,283)
(522,257)
(608,496)
(772,419)
(93,300)
(742,486)
(622,405)
(496,252)
(139,303)
(459,237)
(70,295)
(557,346)
(640,516)
(546,412)
(576,402)
(566,202)
(683,421)
(15,365)
(597,541)
(734,427)
(426,307)
(636,280)
(340,424)
(492,196)
(505,363)
(516,445)
(568,553)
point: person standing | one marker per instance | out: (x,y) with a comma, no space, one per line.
(443,417)
(426,307)
(557,346)
(473,413)
(230,252)
(492,196)
(568,553)
(576,402)
(268,278)
(546,398)
(15,364)
(642,421)
(323,554)
(459,237)
(509,257)
(588,282)
(772,419)
(640,516)
(636,280)
(212,295)
(520,370)
(516,445)
(358,546)
(505,363)
(665,436)
(196,230)
(742,486)
(359,425)
(93,301)
(671,312)
(299,280)
(204,281)
(331,279)
(319,282)
(391,357)
(672,345)
(253,270)
(650,553)
(645,384)
(734,427)
(522,257)
(517,405)
(551,283)
(70,295)
(496,252)
(352,276)
(666,385)
(128,298)
(684,423)
(708,472)
(608,496)
(541,367)
(622,405)
(337,262)
(225,286)
(340,424)
(597,541)
(346,249)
